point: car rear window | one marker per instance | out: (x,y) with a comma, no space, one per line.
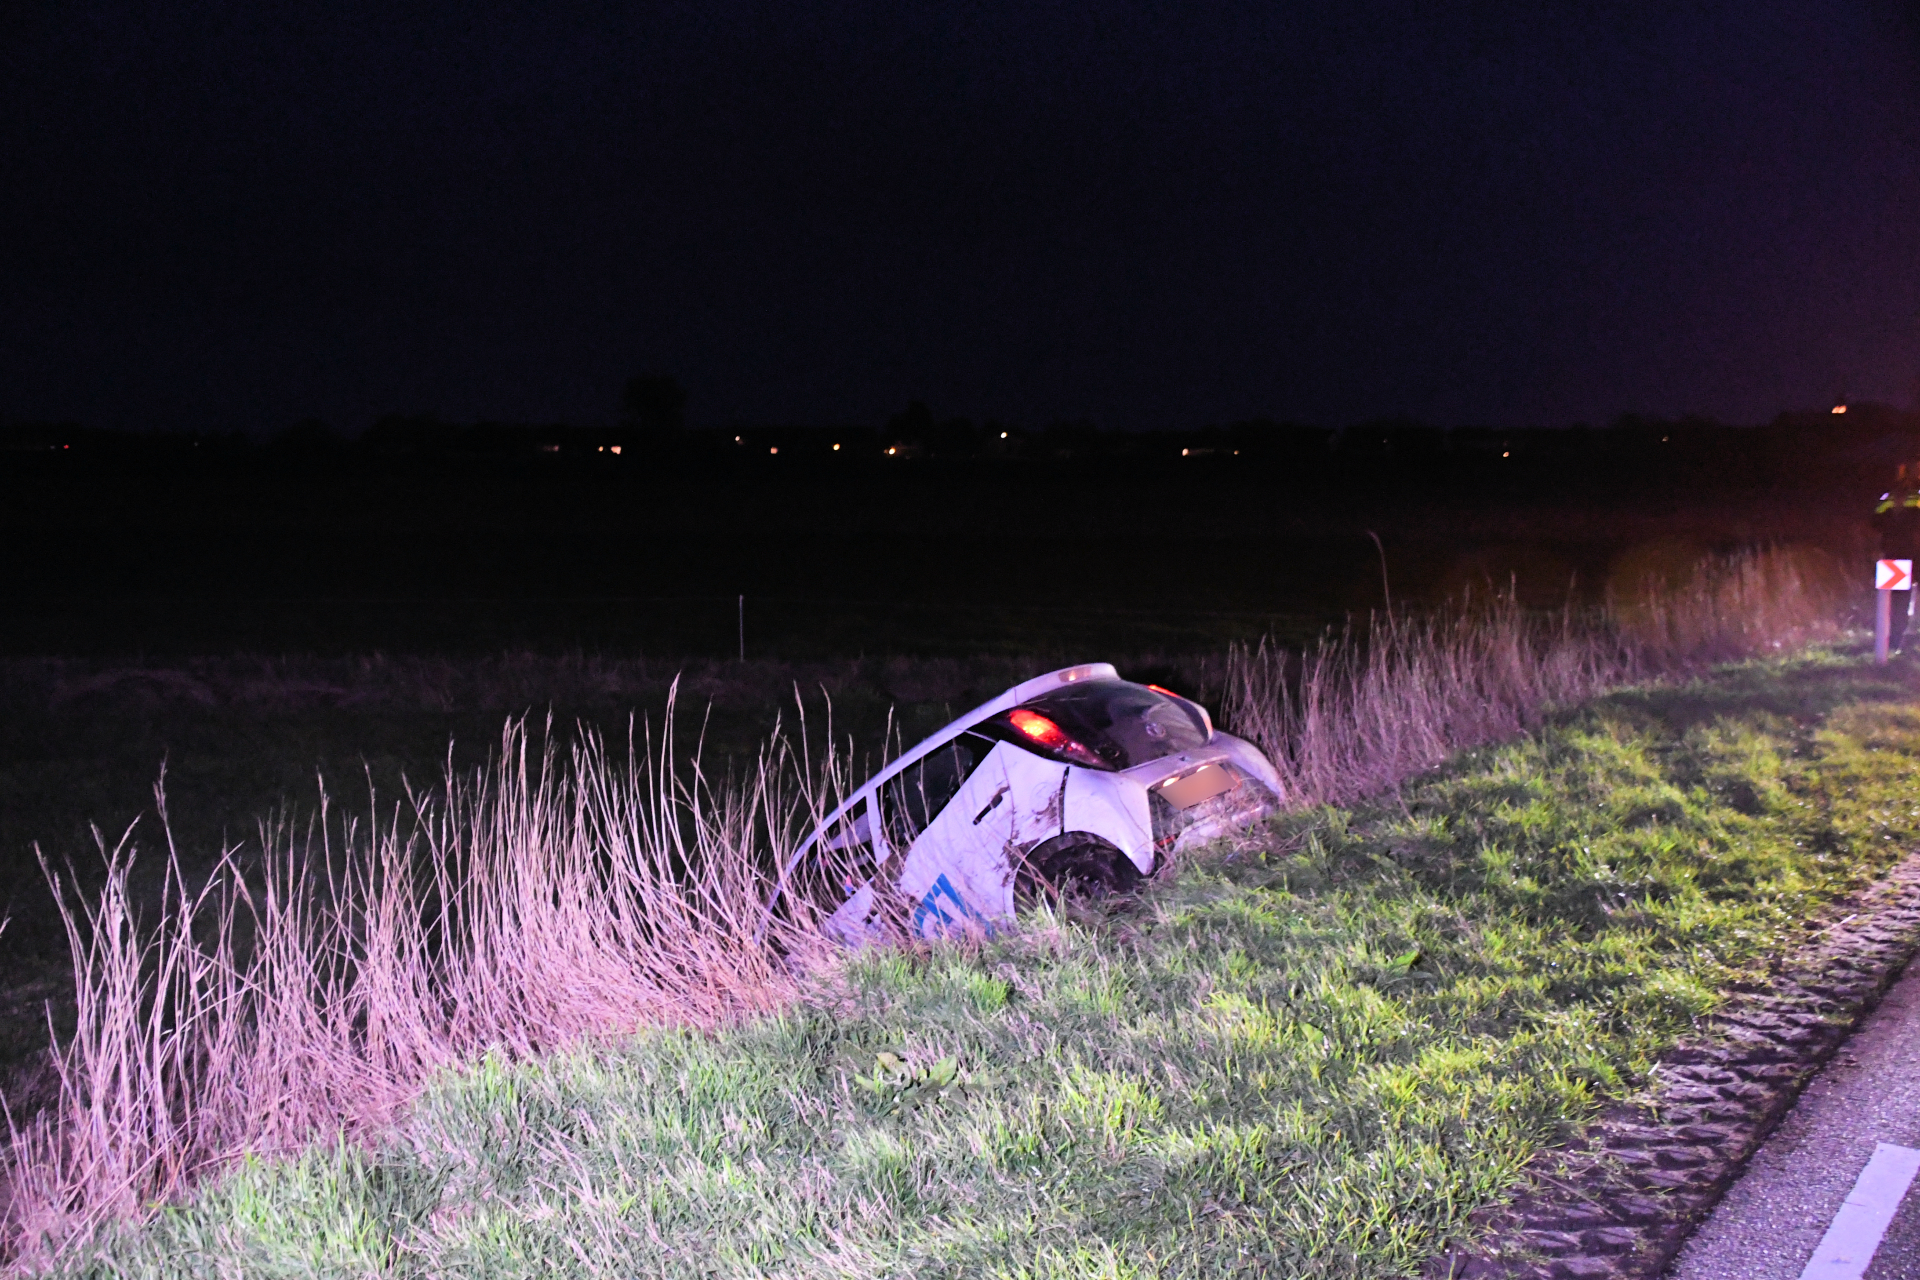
(1122,723)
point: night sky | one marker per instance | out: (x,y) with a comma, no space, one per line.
(229,216)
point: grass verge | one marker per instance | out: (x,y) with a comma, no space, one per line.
(1310,1053)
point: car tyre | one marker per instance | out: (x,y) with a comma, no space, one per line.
(1077,865)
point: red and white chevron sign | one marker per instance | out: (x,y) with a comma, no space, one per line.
(1893,575)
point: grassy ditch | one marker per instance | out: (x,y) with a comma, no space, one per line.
(1310,1053)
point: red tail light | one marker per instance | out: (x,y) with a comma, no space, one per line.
(1170,693)
(1038,727)
(1046,733)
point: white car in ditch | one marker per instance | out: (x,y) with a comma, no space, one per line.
(1072,780)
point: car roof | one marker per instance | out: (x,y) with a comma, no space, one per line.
(1022,692)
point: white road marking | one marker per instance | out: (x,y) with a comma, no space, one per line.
(1849,1245)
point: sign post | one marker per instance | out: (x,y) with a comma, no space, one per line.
(1889,576)
(1882,625)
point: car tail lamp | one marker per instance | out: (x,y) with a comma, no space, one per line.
(1044,733)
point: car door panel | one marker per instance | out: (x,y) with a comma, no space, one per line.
(1041,787)
(1115,810)
(957,869)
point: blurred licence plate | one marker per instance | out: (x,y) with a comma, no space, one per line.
(1203,783)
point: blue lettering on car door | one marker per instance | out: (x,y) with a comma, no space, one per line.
(930,906)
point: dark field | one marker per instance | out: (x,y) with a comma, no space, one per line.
(254,615)
(111,552)
(257,619)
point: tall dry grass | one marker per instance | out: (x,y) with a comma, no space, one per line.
(1358,714)
(550,899)
(558,897)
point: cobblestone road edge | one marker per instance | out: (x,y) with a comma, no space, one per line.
(1618,1203)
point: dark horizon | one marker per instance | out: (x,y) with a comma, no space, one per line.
(1855,422)
(236,218)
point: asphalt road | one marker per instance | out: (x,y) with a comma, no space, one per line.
(1771,1222)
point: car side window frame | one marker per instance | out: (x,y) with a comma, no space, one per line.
(889,804)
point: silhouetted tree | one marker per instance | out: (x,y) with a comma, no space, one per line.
(655,402)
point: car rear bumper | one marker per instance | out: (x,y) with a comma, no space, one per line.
(1176,830)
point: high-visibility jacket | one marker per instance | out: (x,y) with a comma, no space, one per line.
(1896,518)
(1896,499)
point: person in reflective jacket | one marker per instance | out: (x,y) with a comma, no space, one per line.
(1896,518)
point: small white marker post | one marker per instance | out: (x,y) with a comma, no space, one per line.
(1851,1241)
(1888,576)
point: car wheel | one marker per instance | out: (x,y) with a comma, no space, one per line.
(1077,865)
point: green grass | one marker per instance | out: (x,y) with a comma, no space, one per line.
(1312,1053)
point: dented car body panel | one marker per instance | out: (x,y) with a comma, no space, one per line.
(1077,757)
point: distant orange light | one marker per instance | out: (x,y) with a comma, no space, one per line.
(836,448)
(1839,408)
(1503,453)
(774,449)
(616,448)
(1185,452)
(736,439)
(1003,435)
(891,451)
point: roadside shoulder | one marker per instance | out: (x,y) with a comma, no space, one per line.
(1620,1201)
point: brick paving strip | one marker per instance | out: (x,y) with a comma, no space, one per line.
(1618,1202)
